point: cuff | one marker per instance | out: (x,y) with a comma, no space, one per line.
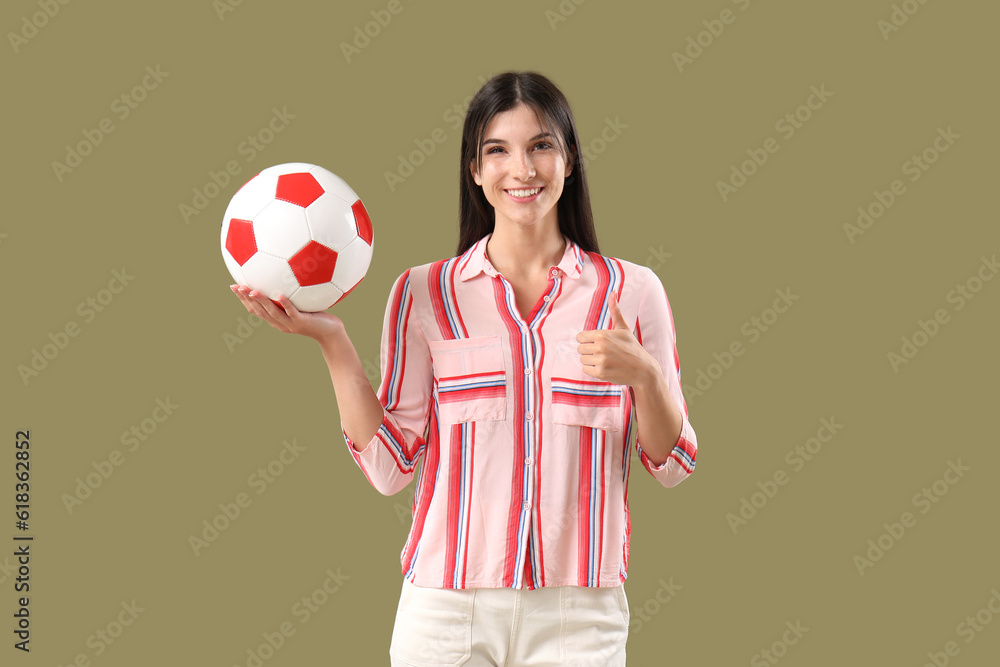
(681,460)
(386,460)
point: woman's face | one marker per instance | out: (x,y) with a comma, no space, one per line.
(520,158)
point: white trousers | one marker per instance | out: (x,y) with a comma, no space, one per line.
(554,626)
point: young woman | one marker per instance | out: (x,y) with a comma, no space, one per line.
(515,370)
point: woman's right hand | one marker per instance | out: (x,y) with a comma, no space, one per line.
(289,319)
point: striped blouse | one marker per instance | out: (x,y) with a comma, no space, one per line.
(525,458)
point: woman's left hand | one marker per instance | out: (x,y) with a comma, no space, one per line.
(614,355)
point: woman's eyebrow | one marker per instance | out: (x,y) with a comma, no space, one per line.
(501,141)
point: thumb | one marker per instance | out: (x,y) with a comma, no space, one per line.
(617,319)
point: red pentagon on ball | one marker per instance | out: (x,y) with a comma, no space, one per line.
(240,241)
(363,221)
(301,189)
(314,264)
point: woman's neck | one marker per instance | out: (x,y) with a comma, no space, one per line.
(523,255)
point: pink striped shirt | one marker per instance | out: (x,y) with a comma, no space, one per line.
(524,481)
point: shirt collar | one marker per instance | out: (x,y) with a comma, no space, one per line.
(475,260)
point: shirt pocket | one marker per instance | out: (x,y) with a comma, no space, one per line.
(580,399)
(470,377)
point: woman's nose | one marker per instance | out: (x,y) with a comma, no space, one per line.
(524,169)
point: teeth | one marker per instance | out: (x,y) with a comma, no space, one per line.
(524,193)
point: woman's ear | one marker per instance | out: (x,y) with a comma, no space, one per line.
(475,174)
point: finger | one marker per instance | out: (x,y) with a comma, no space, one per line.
(251,303)
(255,305)
(617,319)
(265,309)
(243,298)
(290,310)
(273,311)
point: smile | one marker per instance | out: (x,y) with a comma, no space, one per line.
(523,195)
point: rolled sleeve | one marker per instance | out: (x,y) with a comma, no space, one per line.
(389,459)
(655,331)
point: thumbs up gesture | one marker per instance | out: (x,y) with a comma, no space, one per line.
(613,354)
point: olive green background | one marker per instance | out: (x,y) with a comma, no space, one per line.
(654,187)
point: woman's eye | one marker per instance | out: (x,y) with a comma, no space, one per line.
(540,144)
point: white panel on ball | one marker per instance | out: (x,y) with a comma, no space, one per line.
(270,275)
(328,208)
(334,184)
(312,298)
(248,202)
(281,229)
(352,264)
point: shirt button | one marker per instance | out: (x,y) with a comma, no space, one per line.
(555,273)
(527,416)
(527,461)
(527,371)
(527,506)
(545,298)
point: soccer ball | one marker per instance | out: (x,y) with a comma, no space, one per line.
(299,230)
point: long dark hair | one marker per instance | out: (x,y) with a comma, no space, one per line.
(502,93)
